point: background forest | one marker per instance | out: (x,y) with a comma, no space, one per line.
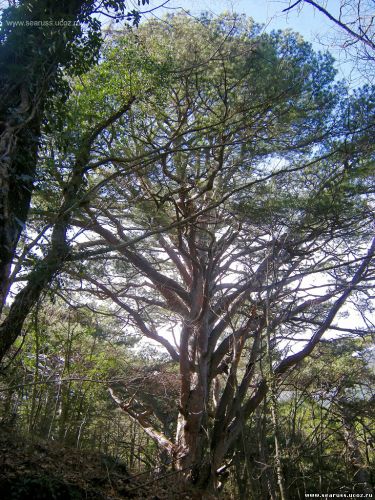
(187,256)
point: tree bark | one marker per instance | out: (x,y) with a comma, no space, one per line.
(59,249)
(34,55)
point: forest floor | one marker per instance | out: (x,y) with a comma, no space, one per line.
(34,469)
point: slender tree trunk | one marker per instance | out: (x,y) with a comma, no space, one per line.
(36,390)
(267,477)
(28,69)
(278,460)
(18,158)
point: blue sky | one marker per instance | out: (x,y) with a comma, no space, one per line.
(264,11)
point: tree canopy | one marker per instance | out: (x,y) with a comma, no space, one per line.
(211,187)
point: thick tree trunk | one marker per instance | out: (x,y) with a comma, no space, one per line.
(192,438)
(200,458)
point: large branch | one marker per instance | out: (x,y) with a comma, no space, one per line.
(169,288)
(160,439)
(121,245)
(261,391)
(176,259)
(359,37)
(295,358)
(135,315)
(236,299)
